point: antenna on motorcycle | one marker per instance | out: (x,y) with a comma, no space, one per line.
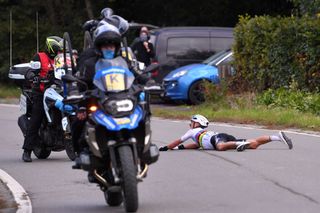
(37,30)
(125,44)
(67,41)
(10,38)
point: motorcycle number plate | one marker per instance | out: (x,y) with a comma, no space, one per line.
(121,121)
(64,123)
(23,104)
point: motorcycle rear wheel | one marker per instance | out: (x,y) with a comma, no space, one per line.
(70,150)
(129,179)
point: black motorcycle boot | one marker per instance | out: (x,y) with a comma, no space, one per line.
(26,156)
(77,164)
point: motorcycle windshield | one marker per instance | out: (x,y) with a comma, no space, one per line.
(113,75)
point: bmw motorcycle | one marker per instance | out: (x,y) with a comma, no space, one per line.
(117,132)
(54,133)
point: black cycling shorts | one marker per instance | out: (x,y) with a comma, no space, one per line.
(222,138)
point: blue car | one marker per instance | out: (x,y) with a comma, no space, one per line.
(186,83)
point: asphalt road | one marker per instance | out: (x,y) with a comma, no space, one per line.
(271,179)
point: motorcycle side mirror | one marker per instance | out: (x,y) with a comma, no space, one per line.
(151,67)
(68,78)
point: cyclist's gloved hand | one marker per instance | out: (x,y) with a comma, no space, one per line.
(63,107)
(163,148)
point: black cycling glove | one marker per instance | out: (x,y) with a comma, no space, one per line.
(163,148)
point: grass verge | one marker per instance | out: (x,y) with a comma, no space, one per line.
(271,118)
(9,92)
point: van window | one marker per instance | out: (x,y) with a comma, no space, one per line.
(188,47)
(218,44)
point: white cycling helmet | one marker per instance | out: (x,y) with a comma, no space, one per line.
(203,121)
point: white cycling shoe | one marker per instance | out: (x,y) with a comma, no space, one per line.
(285,139)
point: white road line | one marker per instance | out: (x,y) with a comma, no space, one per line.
(20,195)
(10,105)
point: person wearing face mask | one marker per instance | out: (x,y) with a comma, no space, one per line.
(142,48)
(107,42)
(107,45)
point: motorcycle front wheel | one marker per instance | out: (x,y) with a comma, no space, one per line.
(129,178)
(41,152)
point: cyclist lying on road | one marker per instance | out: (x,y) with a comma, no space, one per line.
(220,141)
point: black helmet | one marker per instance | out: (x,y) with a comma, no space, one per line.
(54,44)
(118,22)
(106,34)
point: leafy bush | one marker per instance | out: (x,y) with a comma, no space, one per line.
(273,52)
(290,98)
(219,96)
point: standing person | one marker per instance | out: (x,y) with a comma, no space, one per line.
(54,45)
(142,48)
(220,141)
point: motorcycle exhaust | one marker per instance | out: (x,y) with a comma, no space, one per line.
(143,173)
(91,138)
(101,179)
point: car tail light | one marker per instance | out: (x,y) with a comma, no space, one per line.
(156,72)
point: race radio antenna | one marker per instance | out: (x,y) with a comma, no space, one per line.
(10,38)
(37,30)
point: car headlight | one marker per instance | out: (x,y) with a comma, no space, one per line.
(116,106)
(180,73)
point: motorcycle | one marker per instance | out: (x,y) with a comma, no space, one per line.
(54,132)
(117,132)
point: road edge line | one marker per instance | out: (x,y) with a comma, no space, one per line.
(19,194)
(10,105)
(247,126)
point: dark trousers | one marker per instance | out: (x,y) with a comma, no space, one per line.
(37,114)
(77,132)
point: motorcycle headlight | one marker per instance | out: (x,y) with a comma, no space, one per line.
(116,106)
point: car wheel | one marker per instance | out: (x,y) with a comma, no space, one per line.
(196,93)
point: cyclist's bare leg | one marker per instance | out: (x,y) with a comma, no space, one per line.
(255,143)
(223,146)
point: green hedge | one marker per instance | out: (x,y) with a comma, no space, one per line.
(273,52)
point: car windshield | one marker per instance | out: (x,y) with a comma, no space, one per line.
(214,59)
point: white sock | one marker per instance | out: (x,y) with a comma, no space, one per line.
(275,138)
(240,142)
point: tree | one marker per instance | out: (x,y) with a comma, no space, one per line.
(307,7)
(58,16)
